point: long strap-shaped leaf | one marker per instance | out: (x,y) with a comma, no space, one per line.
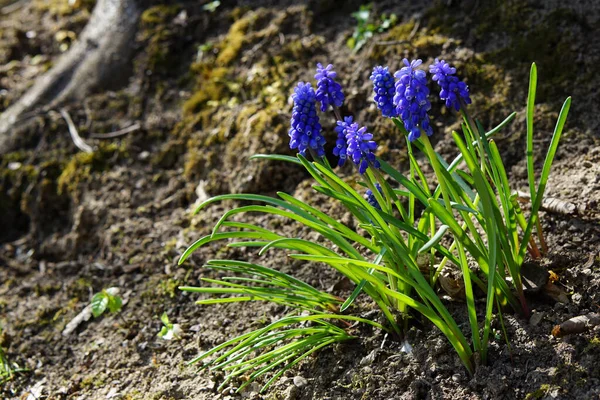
(536,204)
(225,235)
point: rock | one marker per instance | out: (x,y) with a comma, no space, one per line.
(369,358)
(300,381)
(291,393)
(534,277)
(536,318)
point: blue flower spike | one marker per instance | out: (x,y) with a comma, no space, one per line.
(411,99)
(328,90)
(384,88)
(305,131)
(371,197)
(453,91)
(356,144)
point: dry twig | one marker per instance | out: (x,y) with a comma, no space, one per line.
(115,134)
(77,140)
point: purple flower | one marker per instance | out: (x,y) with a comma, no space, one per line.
(328,90)
(305,131)
(383,86)
(356,144)
(411,99)
(453,90)
(371,199)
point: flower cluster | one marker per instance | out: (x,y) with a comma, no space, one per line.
(356,143)
(371,197)
(453,90)
(403,95)
(305,131)
(384,88)
(328,90)
(411,99)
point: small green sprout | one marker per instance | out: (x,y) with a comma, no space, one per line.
(106,299)
(365,30)
(169,331)
(7,370)
(211,6)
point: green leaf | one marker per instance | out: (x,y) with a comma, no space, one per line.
(536,204)
(530,110)
(114,303)
(165,319)
(276,157)
(99,303)
(211,6)
(435,239)
(164,330)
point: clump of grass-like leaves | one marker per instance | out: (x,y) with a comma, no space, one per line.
(411,233)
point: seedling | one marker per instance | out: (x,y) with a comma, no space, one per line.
(211,6)
(365,30)
(7,370)
(169,330)
(107,299)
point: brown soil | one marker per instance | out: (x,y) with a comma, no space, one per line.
(73,223)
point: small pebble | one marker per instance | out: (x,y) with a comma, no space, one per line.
(300,381)
(536,318)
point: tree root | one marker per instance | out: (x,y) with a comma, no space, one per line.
(98,59)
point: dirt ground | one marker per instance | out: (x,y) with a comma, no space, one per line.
(209,89)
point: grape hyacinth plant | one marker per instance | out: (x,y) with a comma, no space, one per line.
(464,219)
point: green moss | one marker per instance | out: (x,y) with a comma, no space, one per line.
(43,289)
(211,86)
(67,309)
(94,381)
(83,165)
(230,47)
(133,395)
(159,14)
(539,393)
(60,8)
(168,288)
(156,31)
(79,288)
(593,344)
